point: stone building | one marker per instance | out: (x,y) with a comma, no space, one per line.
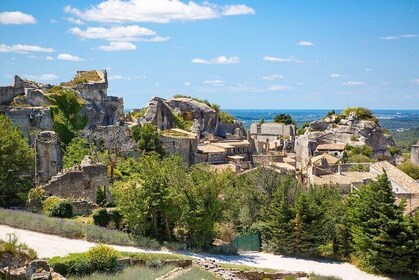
(272,136)
(48,156)
(414,154)
(181,142)
(80,183)
(333,149)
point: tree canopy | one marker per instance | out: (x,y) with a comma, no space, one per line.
(284,118)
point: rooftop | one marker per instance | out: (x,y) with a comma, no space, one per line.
(209,148)
(331,147)
(346,178)
(331,160)
(396,175)
(231,144)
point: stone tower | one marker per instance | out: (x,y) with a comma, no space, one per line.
(48,156)
(414,155)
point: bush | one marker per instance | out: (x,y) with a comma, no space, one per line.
(284,118)
(361,113)
(102,258)
(18,251)
(226,117)
(72,264)
(62,209)
(49,204)
(101,217)
(116,217)
(223,249)
(410,169)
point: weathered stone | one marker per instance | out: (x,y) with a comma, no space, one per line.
(184,144)
(57,276)
(41,276)
(414,156)
(37,266)
(48,156)
(15,273)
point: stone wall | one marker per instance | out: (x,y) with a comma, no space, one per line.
(79,183)
(48,156)
(30,120)
(414,156)
(8,93)
(186,147)
(83,207)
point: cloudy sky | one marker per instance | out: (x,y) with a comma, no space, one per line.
(241,54)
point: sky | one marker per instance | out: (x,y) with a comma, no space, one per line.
(270,54)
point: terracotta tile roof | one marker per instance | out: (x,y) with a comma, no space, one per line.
(396,175)
(329,158)
(346,178)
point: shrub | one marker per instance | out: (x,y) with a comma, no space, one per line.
(116,217)
(49,204)
(223,249)
(18,251)
(102,258)
(410,169)
(284,118)
(72,264)
(101,217)
(62,209)
(361,113)
(226,117)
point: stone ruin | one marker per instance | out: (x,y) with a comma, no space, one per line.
(414,155)
(80,182)
(48,156)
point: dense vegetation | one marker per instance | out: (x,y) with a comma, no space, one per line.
(360,113)
(16,164)
(405,139)
(147,138)
(410,169)
(66,113)
(284,118)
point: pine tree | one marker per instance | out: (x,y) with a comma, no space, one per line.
(381,238)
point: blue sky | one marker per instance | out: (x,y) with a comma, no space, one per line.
(241,54)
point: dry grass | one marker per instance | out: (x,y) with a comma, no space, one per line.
(83,77)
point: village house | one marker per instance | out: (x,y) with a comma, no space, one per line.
(272,136)
(334,149)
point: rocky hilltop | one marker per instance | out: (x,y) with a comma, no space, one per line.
(195,115)
(350,129)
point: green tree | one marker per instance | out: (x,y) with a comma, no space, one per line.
(410,169)
(66,113)
(284,118)
(75,152)
(17,161)
(382,238)
(148,138)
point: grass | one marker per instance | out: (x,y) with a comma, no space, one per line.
(72,229)
(134,273)
(197,273)
(313,276)
(83,77)
(246,267)
(154,256)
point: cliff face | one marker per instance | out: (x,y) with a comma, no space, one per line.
(348,130)
(163,113)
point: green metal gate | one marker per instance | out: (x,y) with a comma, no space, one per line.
(248,242)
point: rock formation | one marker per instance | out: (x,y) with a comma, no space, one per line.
(347,130)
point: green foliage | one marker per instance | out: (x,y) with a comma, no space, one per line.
(18,251)
(410,169)
(284,118)
(75,151)
(147,138)
(62,209)
(116,216)
(394,150)
(181,123)
(83,77)
(361,113)
(383,240)
(49,204)
(101,217)
(359,158)
(226,117)
(102,258)
(66,113)
(406,138)
(261,121)
(17,161)
(330,113)
(215,107)
(72,264)
(141,113)
(359,150)
(313,276)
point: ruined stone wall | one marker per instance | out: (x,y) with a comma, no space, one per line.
(8,93)
(273,129)
(80,183)
(30,120)
(48,156)
(414,156)
(185,147)
(83,207)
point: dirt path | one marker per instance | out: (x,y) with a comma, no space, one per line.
(50,245)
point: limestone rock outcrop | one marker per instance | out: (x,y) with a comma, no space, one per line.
(348,130)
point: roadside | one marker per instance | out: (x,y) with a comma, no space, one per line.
(50,245)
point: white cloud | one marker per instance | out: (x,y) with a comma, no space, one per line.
(415,81)
(16,18)
(273,77)
(115,33)
(187,84)
(43,77)
(69,57)
(19,48)
(218,60)
(234,10)
(282,59)
(118,46)
(160,11)
(49,58)
(399,37)
(272,88)
(305,43)
(353,83)
(120,77)
(75,20)
(216,83)
(335,75)
(155,39)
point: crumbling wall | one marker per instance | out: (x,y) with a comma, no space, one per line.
(79,183)
(186,147)
(414,156)
(30,120)
(48,156)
